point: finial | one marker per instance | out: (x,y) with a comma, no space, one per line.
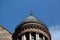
(31,12)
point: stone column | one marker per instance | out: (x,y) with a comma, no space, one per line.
(30,36)
(43,38)
(40,38)
(23,37)
(37,36)
(17,39)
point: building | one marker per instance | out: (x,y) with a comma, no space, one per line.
(30,29)
(5,34)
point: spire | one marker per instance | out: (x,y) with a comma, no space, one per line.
(31,12)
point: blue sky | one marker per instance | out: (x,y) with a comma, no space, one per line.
(13,12)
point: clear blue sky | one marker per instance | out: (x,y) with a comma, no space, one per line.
(13,12)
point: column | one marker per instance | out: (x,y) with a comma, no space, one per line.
(17,39)
(40,38)
(23,37)
(30,36)
(43,38)
(37,36)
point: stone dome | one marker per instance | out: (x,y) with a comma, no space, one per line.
(31,18)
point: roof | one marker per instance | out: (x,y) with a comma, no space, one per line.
(31,18)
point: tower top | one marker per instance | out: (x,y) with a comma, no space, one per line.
(31,25)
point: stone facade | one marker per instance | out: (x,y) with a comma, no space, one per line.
(5,34)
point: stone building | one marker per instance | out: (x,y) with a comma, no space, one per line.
(5,34)
(30,29)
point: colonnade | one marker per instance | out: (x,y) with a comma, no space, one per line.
(37,37)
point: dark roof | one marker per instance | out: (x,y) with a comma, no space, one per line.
(31,19)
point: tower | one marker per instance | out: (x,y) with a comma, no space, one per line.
(31,29)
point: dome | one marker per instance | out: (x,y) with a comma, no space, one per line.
(31,25)
(31,18)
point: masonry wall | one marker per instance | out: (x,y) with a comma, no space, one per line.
(4,34)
